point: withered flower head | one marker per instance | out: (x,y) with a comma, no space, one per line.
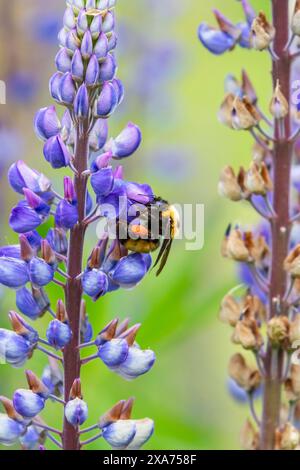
(247,334)
(249,306)
(262,33)
(296,19)
(292,384)
(294,334)
(279,107)
(246,377)
(244,115)
(248,88)
(225,112)
(260,153)
(244,246)
(237,113)
(249,437)
(234,246)
(229,184)
(230,310)
(292,262)
(257,180)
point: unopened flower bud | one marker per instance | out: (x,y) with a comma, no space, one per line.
(58,334)
(54,86)
(63,60)
(87,45)
(287,438)
(77,67)
(106,102)
(82,23)
(76,412)
(108,68)
(81,103)
(95,283)
(69,18)
(96,27)
(279,106)
(67,90)
(278,330)
(101,47)
(72,41)
(92,72)
(108,22)
(262,33)
(56,152)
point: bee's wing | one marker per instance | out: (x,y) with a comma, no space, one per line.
(164,255)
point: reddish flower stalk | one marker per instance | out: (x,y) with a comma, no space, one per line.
(73,291)
(282,160)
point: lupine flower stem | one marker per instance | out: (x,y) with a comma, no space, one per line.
(280,229)
(73,292)
(51,312)
(91,428)
(55,441)
(59,283)
(58,400)
(86,345)
(252,409)
(49,353)
(46,427)
(89,359)
(92,439)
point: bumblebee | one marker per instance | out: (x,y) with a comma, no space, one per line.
(154,226)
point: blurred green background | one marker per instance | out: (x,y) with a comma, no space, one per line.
(174,88)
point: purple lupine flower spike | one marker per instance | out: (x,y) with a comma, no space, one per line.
(85,84)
